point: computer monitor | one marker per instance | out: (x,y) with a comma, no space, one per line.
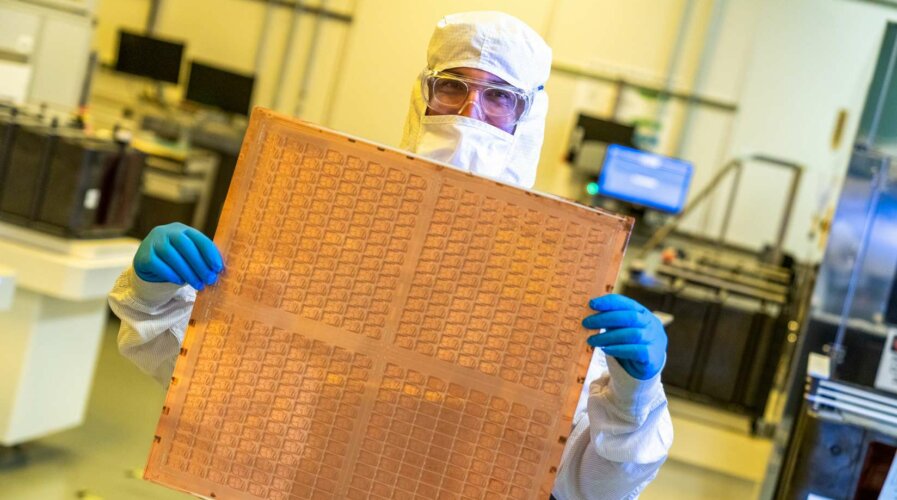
(645,179)
(589,140)
(214,86)
(606,131)
(149,57)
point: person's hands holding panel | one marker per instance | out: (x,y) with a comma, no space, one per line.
(177,253)
(631,334)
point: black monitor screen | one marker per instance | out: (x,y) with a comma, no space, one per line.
(607,131)
(150,57)
(223,89)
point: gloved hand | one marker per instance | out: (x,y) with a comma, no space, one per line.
(176,253)
(633,335)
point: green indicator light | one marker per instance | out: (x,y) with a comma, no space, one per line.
(592,188)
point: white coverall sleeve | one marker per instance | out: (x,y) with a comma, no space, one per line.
(154,317)
(621,435)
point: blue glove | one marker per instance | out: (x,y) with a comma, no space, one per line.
(175,253)
(633,335)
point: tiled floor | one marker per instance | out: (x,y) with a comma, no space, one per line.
(680,481)
(103,458)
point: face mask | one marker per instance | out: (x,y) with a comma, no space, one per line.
(467,144)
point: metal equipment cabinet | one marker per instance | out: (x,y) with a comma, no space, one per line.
(52,327)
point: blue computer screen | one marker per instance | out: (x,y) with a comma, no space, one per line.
(645,179)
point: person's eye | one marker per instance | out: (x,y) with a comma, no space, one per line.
(451,86)
(502,97)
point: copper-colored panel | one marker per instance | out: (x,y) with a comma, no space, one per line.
(386,327)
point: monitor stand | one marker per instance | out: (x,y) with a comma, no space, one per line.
(155,95)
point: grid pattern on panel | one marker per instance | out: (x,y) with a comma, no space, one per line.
(385,328)
(268,412)
(428,438)
(325,236)
(492,289)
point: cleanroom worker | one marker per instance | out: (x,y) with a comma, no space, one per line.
(480,105)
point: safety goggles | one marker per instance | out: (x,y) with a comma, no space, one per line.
(448,93)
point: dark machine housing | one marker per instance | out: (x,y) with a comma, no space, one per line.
(59,181)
